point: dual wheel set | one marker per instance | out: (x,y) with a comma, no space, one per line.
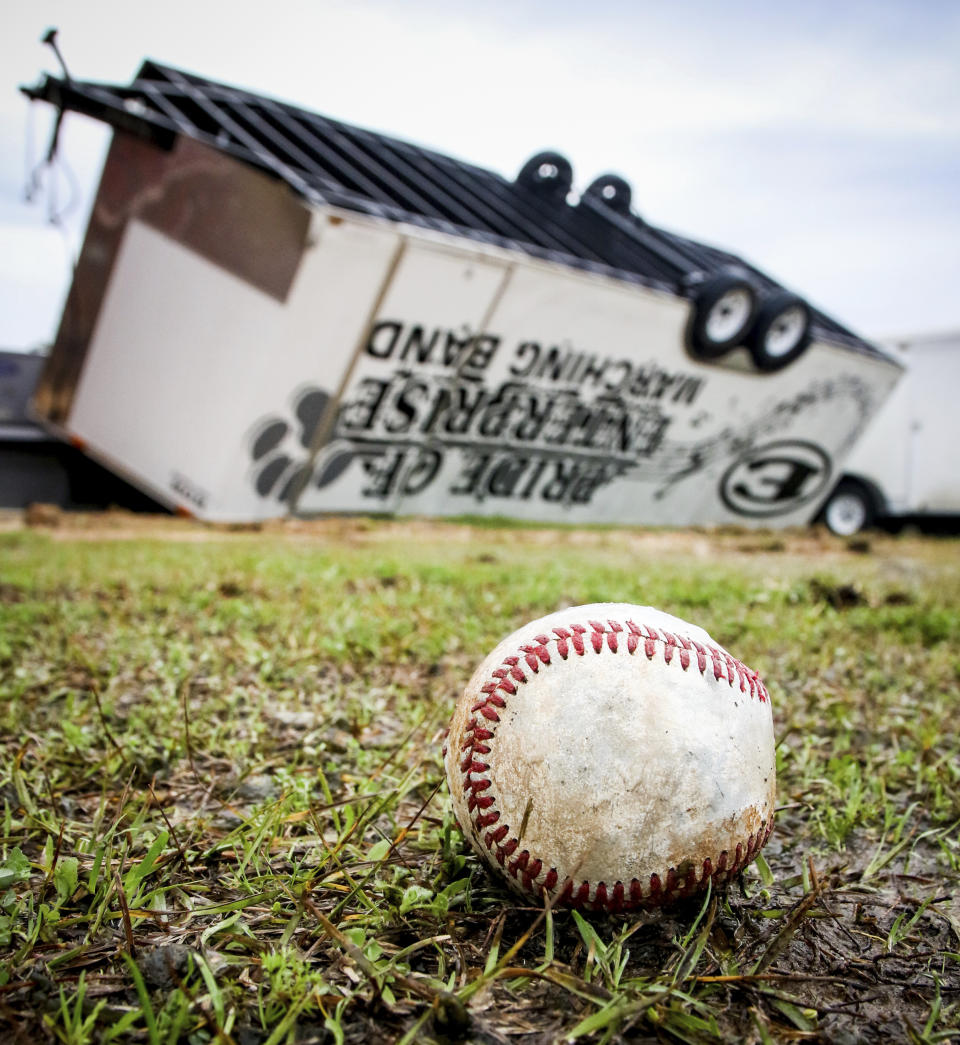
(728,309)
(728,312)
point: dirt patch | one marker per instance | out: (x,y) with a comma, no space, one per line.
(698,542)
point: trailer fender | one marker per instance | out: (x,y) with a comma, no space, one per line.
(612,191)
(548,173)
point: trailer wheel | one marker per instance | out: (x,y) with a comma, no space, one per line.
(781,332)
(547,173)
(723,310)
(849,509)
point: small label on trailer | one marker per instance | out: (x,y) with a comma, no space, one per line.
(188,490)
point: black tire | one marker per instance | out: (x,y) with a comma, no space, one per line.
(781,331)
(611,191)
(547,173)
(849,509)
(723,311)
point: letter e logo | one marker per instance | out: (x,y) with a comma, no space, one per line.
(776,478)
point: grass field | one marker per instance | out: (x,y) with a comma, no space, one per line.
(224,816)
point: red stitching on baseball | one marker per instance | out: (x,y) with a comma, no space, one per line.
(532,875)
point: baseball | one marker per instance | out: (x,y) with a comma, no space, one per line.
(613,756)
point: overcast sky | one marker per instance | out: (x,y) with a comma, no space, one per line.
(820,140)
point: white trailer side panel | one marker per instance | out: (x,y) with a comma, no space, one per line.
(500,385)
(908,452)
(933,381)
(165,378)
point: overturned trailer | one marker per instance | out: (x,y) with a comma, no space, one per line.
(277,313)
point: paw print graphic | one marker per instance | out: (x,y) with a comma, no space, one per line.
(281,450)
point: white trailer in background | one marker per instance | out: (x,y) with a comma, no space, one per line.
(275,313)
(907,463)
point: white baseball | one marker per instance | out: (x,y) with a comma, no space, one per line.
(613,756)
